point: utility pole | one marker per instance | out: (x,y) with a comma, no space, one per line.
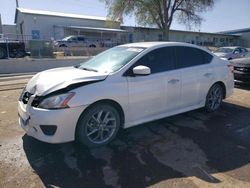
(17,5)
(1,29)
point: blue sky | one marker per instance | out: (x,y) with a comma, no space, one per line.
(226,14)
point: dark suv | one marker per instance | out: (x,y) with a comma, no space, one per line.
(241,70)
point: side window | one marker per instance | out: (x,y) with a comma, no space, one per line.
(237,50)
(73,39)
(207,58)
(81,38)
(188,57)
(243,50)
(159,60)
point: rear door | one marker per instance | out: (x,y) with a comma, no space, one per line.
(196,74)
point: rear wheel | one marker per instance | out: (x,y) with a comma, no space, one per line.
(20,54)
(92,46)
(98,125)
(62,46)
(214,98)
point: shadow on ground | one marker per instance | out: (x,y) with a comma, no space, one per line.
(190,144)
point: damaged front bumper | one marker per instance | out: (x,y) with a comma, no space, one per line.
(52,126)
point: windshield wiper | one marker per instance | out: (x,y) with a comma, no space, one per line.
(88,69)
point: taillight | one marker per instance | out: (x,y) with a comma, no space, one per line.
(230,67)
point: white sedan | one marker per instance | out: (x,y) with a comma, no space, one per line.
(122,87)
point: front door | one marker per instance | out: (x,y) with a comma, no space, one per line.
(157,93)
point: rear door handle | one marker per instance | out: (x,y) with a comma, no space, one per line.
(208,74)
(173,81)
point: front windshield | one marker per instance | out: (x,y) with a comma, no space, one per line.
(112,59)
(224,50)
(66,38)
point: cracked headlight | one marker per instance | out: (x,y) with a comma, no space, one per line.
(56,101)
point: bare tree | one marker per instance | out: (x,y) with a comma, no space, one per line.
(159,13)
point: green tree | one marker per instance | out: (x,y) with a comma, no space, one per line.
(159,13)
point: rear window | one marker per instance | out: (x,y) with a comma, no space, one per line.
(189,56)
(81,38)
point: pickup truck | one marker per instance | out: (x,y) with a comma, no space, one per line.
(13,49)
(75,41)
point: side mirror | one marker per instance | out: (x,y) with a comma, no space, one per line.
(141,70)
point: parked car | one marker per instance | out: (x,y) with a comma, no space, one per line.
(241,70)
(75,41)
(231,52)
(122,87)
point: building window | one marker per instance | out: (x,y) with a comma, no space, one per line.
(222,39)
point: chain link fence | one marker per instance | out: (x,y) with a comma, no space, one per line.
(16,46)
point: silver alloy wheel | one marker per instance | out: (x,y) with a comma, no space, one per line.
(214,97)
(101,126)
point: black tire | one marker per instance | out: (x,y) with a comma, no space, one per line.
(214,98)
(92,46)
(20,54)
(2,53)
(62,46)
(92,127)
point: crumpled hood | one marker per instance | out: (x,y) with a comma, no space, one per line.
(51,80)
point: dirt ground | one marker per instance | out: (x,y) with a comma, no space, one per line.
(193,149)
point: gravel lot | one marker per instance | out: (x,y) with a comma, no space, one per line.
(194,149)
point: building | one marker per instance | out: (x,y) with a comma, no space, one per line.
(47,25)
(137,34)
(244,35)
(9,32)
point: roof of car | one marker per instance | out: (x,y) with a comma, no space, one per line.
(162,44)
(157,43)
(231,47)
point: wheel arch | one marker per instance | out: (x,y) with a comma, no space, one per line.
(115,104)
(222,84)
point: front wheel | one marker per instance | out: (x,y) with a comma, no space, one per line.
(214,98)
(92,46)
(98,125)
